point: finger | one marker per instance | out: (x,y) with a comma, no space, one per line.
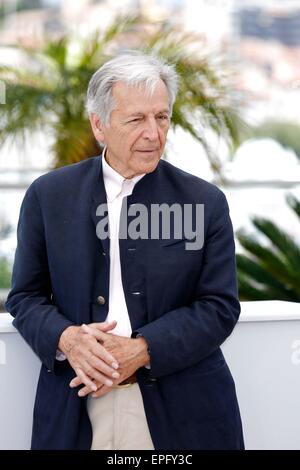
(96,375)
(102,391)
(75,382)
(99,350)
(97,333)
(102,326)
(102,366)
(86,391)
(108,326)
(85,379)
(106,359)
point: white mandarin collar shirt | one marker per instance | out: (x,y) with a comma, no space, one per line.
(115,183)
(116,187)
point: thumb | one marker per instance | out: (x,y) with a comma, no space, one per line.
(104,326)
(96,329)
(96,332)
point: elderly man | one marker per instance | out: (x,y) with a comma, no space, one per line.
(127,314)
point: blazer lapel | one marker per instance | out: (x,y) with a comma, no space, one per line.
(98,198)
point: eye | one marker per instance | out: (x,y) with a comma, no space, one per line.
(136,120)
(163,117)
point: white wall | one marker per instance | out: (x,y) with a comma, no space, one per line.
(263,353)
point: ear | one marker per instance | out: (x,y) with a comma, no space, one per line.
(97,127)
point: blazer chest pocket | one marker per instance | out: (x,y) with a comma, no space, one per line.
(174,243)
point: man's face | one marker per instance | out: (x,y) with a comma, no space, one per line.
(136,135)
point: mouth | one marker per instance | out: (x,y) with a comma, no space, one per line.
(147,150)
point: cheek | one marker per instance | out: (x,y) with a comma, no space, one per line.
(132,140)
(163,135)
(124,142)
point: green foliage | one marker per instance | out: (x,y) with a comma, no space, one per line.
(5,273)
(285,133)
(270,271)
(49,94)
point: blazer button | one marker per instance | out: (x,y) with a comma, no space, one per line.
(100,300)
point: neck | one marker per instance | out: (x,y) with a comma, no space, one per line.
(115,166)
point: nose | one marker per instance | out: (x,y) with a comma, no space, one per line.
(151,130)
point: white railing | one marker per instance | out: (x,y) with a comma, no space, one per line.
(263,354)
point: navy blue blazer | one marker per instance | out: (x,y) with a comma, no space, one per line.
(186,306)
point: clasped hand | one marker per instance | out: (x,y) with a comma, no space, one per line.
(101,359)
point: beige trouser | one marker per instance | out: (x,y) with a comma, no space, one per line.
(118,420)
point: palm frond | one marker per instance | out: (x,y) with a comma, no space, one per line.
(258,276)
(25,110)
(273,271)
(57,51)
(248,291)
(294,204)
(51,92)
(268,259)
(283,243)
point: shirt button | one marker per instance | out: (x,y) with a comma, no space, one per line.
(100,300)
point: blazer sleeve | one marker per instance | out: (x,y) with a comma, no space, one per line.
(183,337)
(29,300)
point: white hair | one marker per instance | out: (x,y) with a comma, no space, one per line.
(133,68)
